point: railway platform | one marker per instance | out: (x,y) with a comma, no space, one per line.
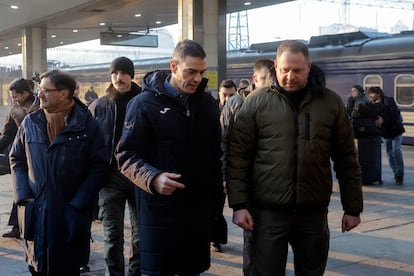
(383,244)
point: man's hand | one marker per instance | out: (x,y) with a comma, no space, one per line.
(165,183)
(379,121)
(350,222)
(243,219)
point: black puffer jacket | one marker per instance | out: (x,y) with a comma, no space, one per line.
(105,109)
(162,134)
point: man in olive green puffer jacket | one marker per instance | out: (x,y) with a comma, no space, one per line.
(279,171)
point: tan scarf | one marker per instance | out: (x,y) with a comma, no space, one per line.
(56,120)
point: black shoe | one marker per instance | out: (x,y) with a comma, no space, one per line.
(84,269)
(13,233)
(216,246)
(399,179)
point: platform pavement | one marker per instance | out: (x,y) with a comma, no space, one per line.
(382,245)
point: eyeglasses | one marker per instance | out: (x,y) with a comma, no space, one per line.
(47,90)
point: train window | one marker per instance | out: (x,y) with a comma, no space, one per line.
(404,89)
(372,80)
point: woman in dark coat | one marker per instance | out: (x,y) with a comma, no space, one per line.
(58,162)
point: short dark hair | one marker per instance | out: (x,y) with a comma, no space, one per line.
(294,46)
(376,90)
(228,84)
(186,48)
(20,86)
(263,63)
(61,80)
(244,83)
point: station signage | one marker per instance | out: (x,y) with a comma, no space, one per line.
(128,39)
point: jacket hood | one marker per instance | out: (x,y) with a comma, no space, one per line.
(154,82)
(316,80)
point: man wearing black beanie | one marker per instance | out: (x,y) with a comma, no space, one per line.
(109,110)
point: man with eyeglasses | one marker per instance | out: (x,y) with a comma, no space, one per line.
(58,164)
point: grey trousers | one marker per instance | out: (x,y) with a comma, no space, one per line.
(112,199)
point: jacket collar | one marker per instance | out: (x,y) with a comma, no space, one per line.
(113,94)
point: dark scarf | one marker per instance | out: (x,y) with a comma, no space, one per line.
(296,97)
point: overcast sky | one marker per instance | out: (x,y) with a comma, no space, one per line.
(301,19)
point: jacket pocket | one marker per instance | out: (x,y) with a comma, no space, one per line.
(78,224)
(26,220)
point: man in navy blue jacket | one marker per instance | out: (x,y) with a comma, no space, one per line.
(58,164)
(170,149)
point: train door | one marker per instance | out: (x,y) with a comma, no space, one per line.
(404,97)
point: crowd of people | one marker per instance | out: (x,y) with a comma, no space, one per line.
(172,153)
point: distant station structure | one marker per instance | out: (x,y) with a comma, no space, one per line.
(238,31)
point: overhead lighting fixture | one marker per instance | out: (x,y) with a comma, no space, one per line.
(53,36)
(102,24)
(61,42)
(19,44)
(247,3)
(158,22)
(14,7)
(137,15)
(5,47)
(75,31)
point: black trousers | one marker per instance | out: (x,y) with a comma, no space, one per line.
(13,216)
(34,273)
(306,231)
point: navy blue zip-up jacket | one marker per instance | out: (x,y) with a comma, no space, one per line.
(163,134)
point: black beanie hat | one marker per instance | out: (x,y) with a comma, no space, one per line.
(122,64)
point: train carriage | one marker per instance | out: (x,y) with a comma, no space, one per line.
(365,58)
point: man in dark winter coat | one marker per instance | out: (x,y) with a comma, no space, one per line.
(388,116)
(170,149)
(279,178)
(58,163)
(24,102)
(109,110)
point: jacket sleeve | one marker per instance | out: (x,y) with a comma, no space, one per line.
(391,113)
(133,147)
(8,132)
(345,162)
(240,153)
(19,168)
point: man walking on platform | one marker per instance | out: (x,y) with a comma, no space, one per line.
(279,179)
(109,110)
(24,102)
(170,149)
